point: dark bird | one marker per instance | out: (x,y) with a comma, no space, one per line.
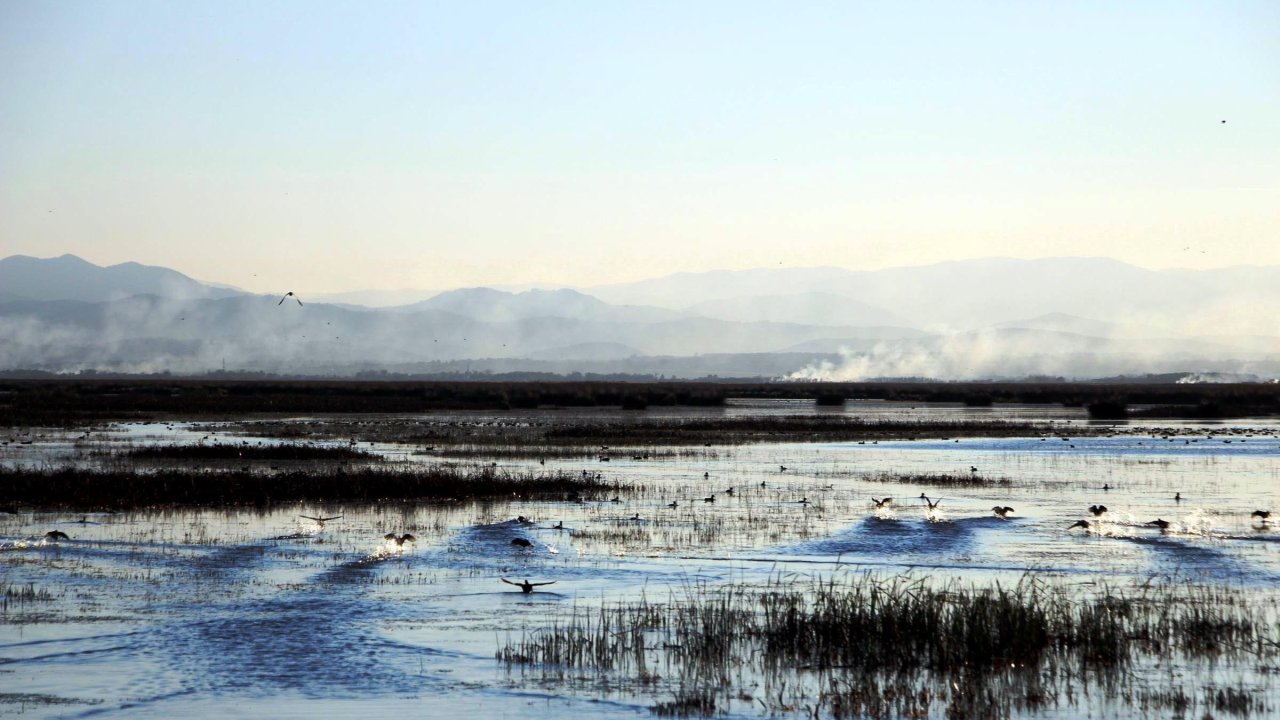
(729,491)
(673,504)
(782,468)
(1162,524)
(56,535)
(972,468)
(320,520)
(1080,524)
(1264,514)
(287,296)
(1177,497)
(882,503)
(558,526)
(399,540)
(1002,511)
(527,587)
(1097,510)
(521,542)
(803,501)
(709,498)
(933,504)
(1106,487)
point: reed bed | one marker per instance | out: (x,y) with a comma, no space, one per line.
(69,488)
(864,645)
(250,453)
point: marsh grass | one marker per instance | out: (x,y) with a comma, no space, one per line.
(70,488)
(245,452)
(881,647)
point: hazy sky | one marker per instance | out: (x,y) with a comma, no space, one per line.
(336,146)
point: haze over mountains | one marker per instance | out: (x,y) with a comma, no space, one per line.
(977,319)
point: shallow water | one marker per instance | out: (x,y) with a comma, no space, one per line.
(192,613)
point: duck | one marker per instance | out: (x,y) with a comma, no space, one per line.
(1162,524)
(1002,511)
(1264,515)
(399,540)
(933,504)
(882,503)
(56,535)
(1097,510)
(1080,524)
(527,587)
(521,542)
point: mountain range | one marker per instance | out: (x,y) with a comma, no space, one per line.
(987,318)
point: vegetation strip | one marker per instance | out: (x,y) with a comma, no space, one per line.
(80,489)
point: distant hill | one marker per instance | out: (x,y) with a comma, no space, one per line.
(489,305)
(808,308)
(68,277)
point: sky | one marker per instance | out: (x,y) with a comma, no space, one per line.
(335,146)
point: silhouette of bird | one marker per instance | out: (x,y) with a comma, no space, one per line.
(1162,524)
(882,503)
(709,499)
(399,540)
(673,504)
(289,295)
(1264,514)
(1080,524)
(803,501)
(1106,487)
(521,542)
(527,587)
(558,526)
(56,535)
(933,504)
(1002,511)
(320,520)
(782,468)
(1177,497)
(1097,510)
(729,491)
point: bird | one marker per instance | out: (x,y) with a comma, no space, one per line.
(709,499)
(399,540)
(729,491)
(521,542)
(972,468)
(1263,514)
(289,295)
(1177,497)
(803,501)
(673,504)
(527,587)
(933,504)
(1080,524)
(56,535)
(1162,524)
(558,526)
(1106,487)
(1002,511)
(1097,510)
(882,503)
(320,520)
(782,468)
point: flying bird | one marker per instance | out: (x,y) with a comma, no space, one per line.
(521,542)
(399,540)
(320,520)
(882,503)
(1001,511)
(287,296)
(527,587)
(1097,510)
(933,504)
(1080,524)
(56,535)
(1263,514)
(1162,524)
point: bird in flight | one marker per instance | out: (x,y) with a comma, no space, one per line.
(1002,511)
(1097,510)
(933,504)
(56,535)
(1080,524)
(527,587)
(399,540)
(287,296)
(1162,524)
(882,503)
(320,520)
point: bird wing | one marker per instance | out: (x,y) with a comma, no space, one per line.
(299,301)
(509,582)
(553,582)
(326,519)
(308,517)
(281,301)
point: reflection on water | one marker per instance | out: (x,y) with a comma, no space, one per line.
(161,614)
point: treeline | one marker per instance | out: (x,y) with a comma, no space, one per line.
(54,402)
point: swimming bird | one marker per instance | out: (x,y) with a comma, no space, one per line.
(289,295)
(1106,487)
(1080,524)
(320,520)
(1162,524)
(56,535)
(527,587)
(709,499)
(882,503)
(729,491)
(558,526)
(521,542)
(1002,511)
(673,504)
(803,501)
(782,468)
(1177,497)
(1097,510)
(399,540)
